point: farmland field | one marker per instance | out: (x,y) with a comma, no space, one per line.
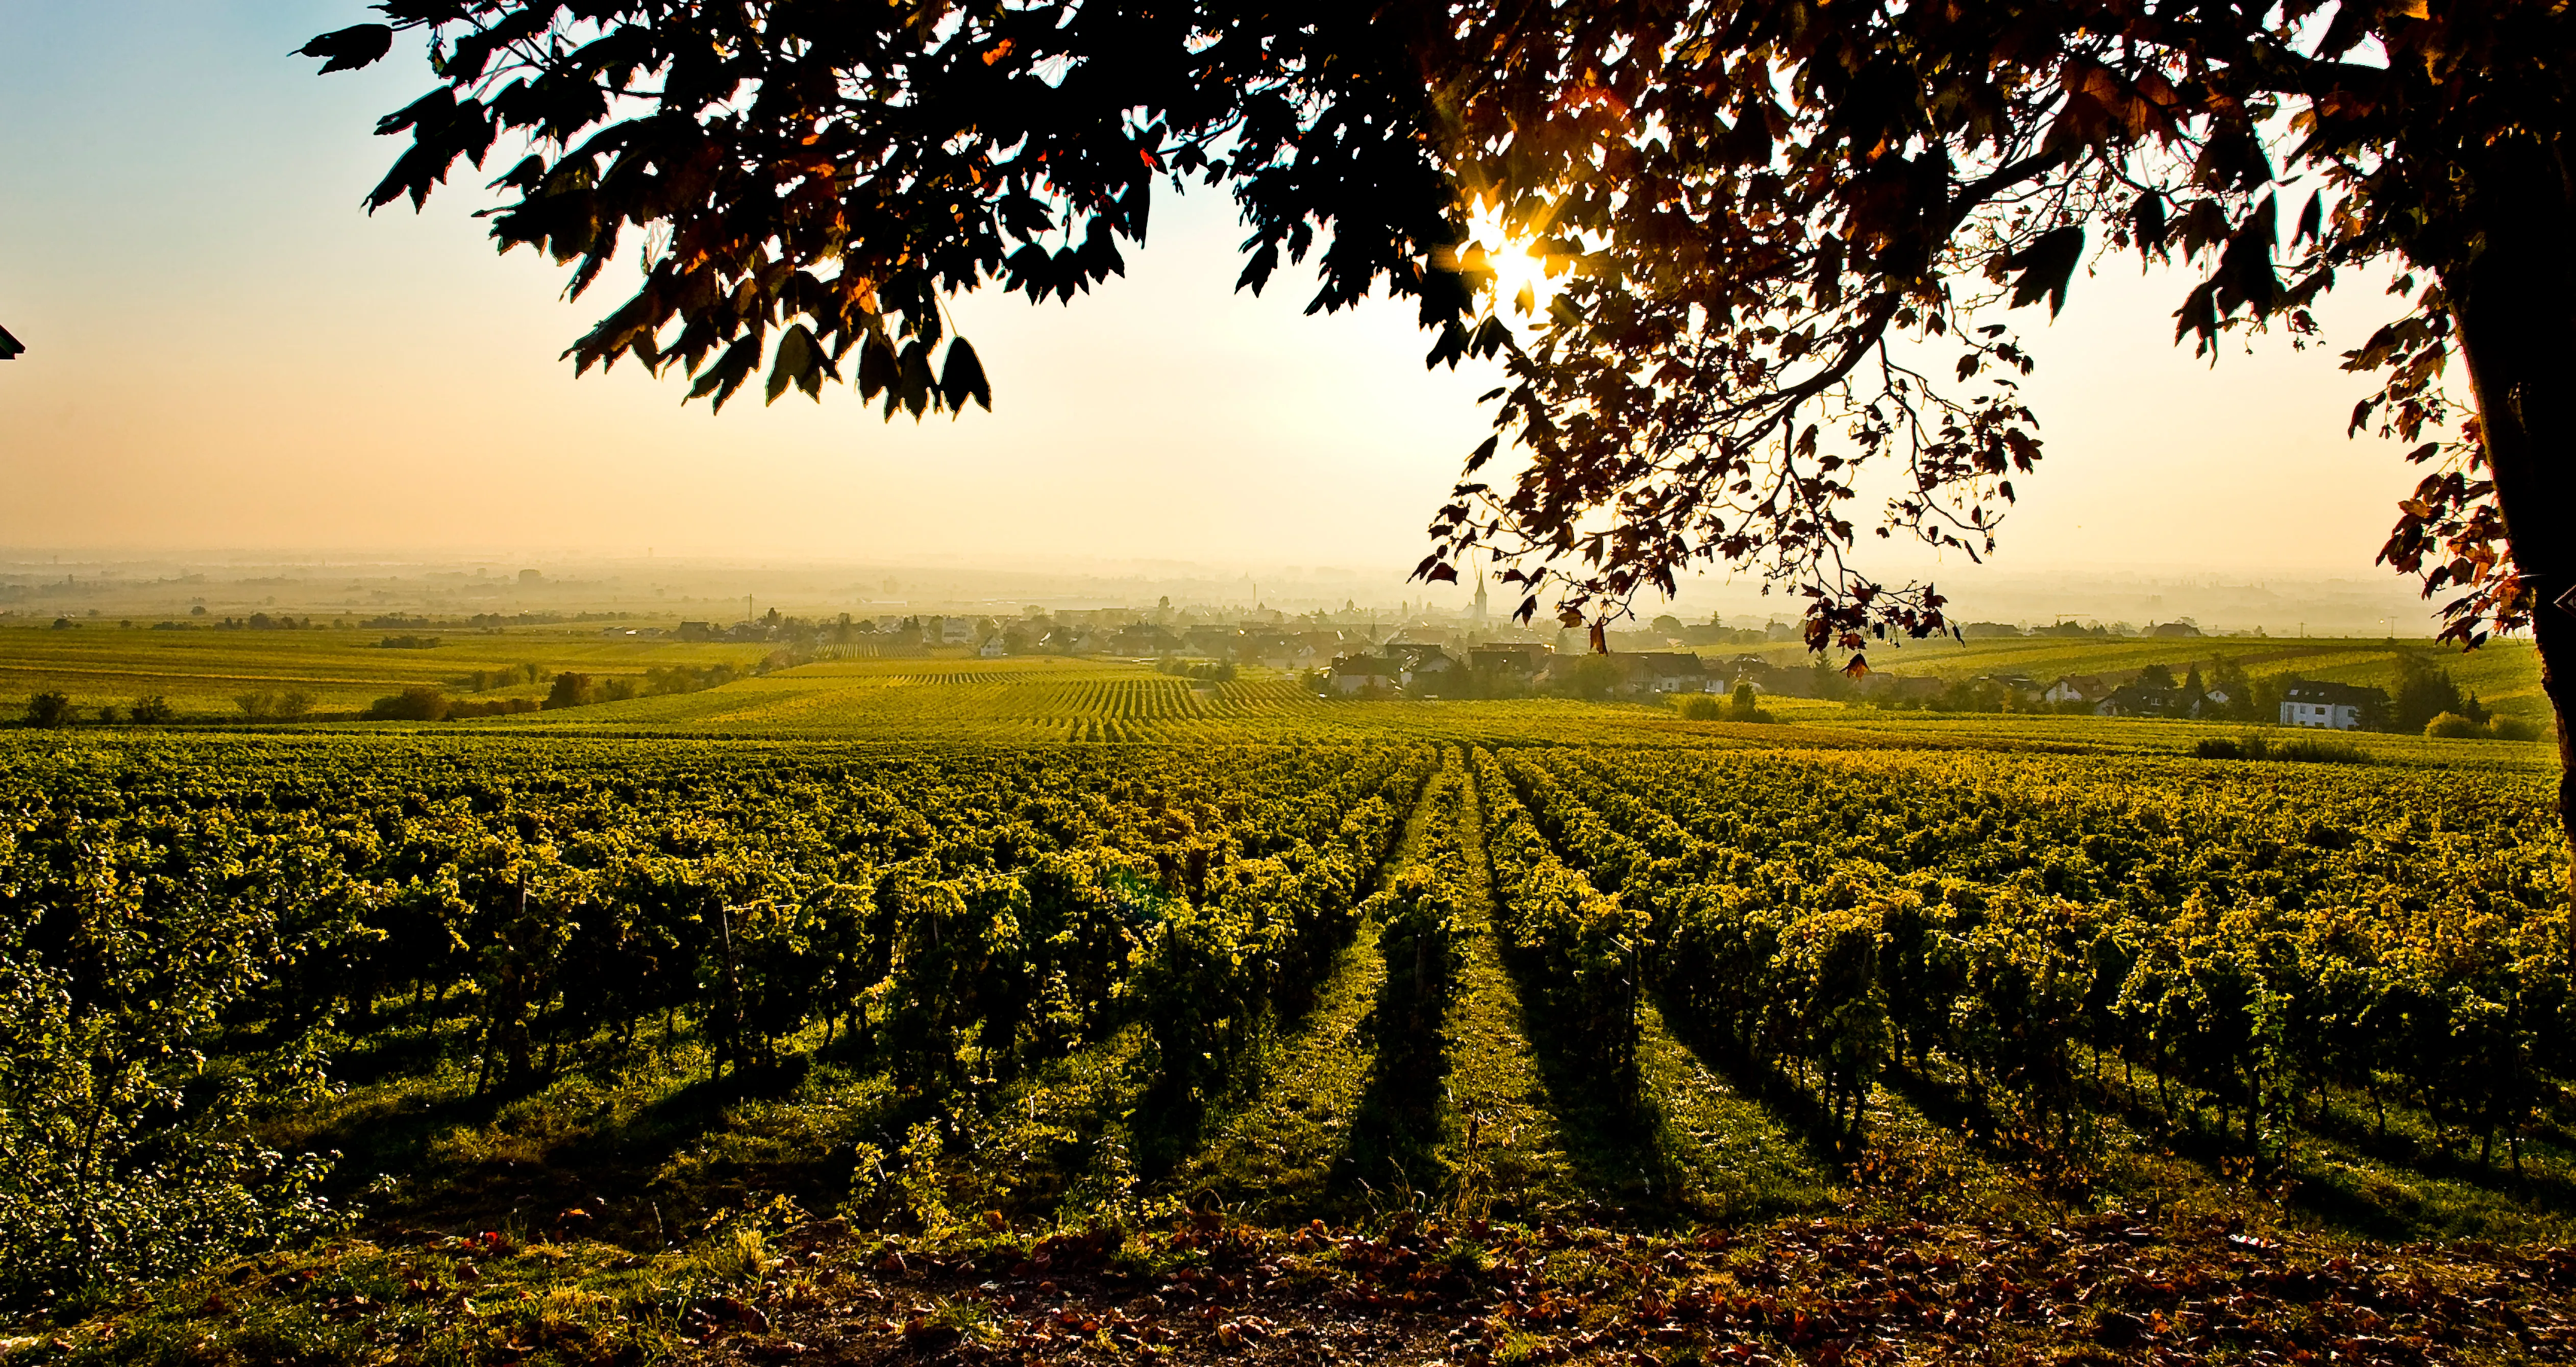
(2504,674)
(1030,1008)
(201,670)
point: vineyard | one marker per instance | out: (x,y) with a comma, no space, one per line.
(1110,950)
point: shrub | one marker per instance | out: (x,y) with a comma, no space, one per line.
(572,690)
(667,679)
(2320,750)
(2514,728)
(420,702)
(1746,705)
(2297,750)
(2453,726)
(485,680)
(153,710)
(1701,707)
(292,705)
(51,709)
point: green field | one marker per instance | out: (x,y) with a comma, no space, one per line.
(202,670)
(915,1007)
(2504,674)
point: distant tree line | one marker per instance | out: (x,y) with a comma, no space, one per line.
(257,621)
(55,709)
(570,688)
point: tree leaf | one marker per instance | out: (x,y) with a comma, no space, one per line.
(961,377)
(2045,266)
(878,368)
(350,48)
(795,360)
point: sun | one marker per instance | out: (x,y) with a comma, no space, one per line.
(1522,280)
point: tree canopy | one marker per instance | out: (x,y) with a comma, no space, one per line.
(10,347)
(1753,212)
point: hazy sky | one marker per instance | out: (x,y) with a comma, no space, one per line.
(226,352)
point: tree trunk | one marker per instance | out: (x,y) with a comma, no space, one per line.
(2515,306)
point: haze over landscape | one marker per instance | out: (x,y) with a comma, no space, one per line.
(227,354)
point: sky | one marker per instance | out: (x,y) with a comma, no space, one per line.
(227,353)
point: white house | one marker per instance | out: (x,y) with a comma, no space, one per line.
(2077,688)
(994,647)
(1661,672)
(2340,707)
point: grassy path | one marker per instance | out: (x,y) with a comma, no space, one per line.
(1275,1158)
(1732,1157)
(1503,1145)
(1285,1153)
(1688,1145)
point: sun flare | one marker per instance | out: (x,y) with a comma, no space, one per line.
(1523,284)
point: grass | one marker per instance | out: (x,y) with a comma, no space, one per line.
(1504,1145)
(1737,1160)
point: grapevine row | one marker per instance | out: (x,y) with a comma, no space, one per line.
(1835,916)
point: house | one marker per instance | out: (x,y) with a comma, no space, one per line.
(1262,645)
(2173,629)
(2341,707)
(697,631)
(1768,679)
(1408,654)
(2076,688)
(1430,671)
(956,631)
(1144,639)
(1510,660)
(1668,671)
(2140,700)
(1216,642)
(1363,674)
(994,647)
(1283,652)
